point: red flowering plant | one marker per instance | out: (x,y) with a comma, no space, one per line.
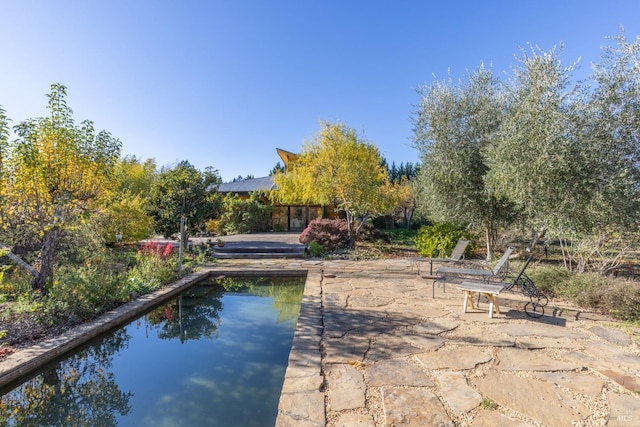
(163,251)
(154,267)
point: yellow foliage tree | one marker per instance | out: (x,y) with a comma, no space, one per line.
(125,214)
(55,173)
(337,168)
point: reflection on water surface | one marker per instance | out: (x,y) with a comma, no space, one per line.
(214,356)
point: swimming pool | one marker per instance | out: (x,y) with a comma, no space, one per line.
(216,355)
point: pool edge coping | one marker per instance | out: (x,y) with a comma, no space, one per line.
(302,399)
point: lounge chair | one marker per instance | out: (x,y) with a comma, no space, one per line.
(537,299)
(457,255)
(498,272)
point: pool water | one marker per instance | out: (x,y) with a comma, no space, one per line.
(215,356)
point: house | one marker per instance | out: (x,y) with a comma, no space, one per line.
(283,217)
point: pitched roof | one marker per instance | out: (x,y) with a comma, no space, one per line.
(248,185)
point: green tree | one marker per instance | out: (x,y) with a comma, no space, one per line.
(340,169)
(136,176)
(609,135)
(244,215)
(243,178)
(567,155)
(535,159)
(126,214)
(55,174)
(452,127)
(184,195)
(279,167)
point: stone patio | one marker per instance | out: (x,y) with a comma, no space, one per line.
(372,348)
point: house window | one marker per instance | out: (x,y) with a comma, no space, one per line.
(280,218)
(298,217)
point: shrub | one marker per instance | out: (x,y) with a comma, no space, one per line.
(617,297)
(622,300)
(154,268)
(81,292)
(546,278)
(315,249)
(211,226)
(438,240)
(244,216)
(402,236)
(332,234)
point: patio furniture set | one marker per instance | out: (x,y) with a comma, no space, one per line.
(489,282)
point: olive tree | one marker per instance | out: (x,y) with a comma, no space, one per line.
(453,125)
(566,155)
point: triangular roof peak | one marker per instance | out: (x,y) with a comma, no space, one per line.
(286,156)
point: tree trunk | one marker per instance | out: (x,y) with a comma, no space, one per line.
(350,240)
(15,258)
(47,259)
(489,238)
(409,217)
(183,243)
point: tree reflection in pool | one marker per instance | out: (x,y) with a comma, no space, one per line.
(214,356)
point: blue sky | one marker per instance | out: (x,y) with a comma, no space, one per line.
(223,83)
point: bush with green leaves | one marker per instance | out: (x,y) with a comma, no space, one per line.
(82,292)
(315,249)
(438,240)
(402,236)
(244,215)
(155,266)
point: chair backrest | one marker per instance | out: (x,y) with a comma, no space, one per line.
(524,267)
(458,251)
(503,263)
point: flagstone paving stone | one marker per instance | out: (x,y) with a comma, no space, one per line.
(413,407)
(577,381)
(614,354)
(478,335)
(346,385)
(425,342)
(533,329)
(458,395)
(540,401)
(391,346)
(458,358)
(538,343)
(351,419)
(615,336)
(434,327)
(397,372)
(625,410)
(608,368)
(515,359)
